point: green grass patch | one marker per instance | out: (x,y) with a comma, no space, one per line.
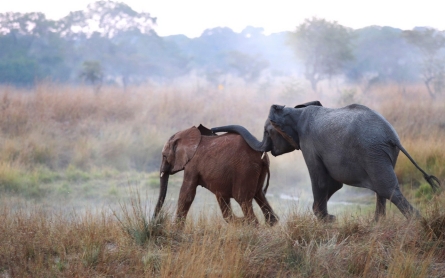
(153,180)
(10,178)
(76,175)
(424,192)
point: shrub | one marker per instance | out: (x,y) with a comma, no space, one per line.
(424,192)
(10,178)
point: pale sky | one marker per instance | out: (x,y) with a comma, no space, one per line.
(192,17)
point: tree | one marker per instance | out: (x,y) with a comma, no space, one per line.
(110,32)
(430,43)
(30,49)
(108,18)
(381,55)
(246,66)
(122,40)
(92,73)
(324,47)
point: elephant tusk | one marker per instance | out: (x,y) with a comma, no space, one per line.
(264,153)
(162,173)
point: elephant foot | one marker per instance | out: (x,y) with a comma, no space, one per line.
(378,217)
(246,221)
(329,218)
(325,217)
(272,220)
(180,223)
(233,219)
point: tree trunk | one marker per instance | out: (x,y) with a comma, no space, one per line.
(430,92)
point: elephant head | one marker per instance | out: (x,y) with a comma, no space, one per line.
(279,137)
(177,152)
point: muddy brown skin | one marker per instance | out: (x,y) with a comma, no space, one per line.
(225,165)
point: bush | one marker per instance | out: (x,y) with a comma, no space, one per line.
(10,178)
(424,192)
(134,219)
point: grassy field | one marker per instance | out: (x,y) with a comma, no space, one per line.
(41,243)
(79,176)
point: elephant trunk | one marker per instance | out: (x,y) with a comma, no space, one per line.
(261,146)
(164,175)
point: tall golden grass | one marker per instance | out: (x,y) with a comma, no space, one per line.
(38,243)
(56,126)
(55,139)
(55,133)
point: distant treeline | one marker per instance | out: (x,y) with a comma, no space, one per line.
(109,43)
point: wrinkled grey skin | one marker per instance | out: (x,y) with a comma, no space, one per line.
(352,145)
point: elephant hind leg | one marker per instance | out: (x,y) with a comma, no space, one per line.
(249,215)
(224,204)
(402,204)
(380,209)
(385,184)
(269,215)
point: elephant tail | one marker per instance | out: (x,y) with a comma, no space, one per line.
(432,180)
(266,165)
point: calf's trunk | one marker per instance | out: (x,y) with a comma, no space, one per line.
(162,193)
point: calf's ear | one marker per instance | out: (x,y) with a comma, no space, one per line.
(186,144)
(205,131)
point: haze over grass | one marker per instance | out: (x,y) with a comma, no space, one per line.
(60,144)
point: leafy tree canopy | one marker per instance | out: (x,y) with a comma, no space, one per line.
(430,43)
(107,18)
(323,46)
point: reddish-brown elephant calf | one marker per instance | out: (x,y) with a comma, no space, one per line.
(224,164)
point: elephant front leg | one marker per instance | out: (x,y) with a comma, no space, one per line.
(320,206)
(249,215)
(323,187)
(186,197)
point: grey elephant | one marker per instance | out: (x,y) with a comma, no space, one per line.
(224,164)
(352,145)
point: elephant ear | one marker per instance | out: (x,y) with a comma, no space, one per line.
(205,131)
(294,143)
(186,144)
(310,103)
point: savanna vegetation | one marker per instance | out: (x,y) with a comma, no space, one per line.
(79,177)
(87,102)
(109,43)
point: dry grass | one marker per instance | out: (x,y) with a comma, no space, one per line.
(56,127)
(70,129)
(40,243)
(59,126)
(57,141)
